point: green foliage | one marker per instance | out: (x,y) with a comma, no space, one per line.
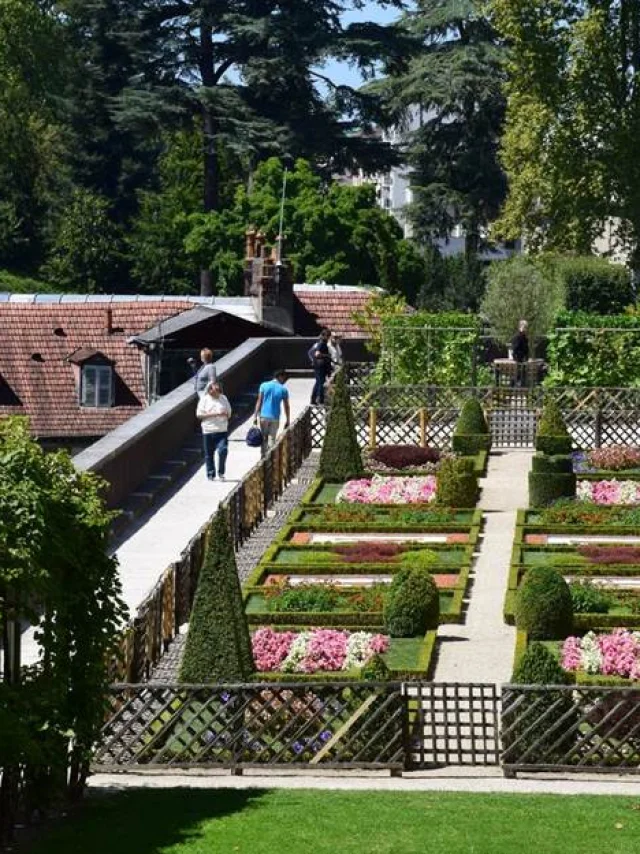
(569,146)
(588,598)
(340,458)
(521,289)
(559,464)
(552,435)
(375,670)
(428,349)
(471,419)
(456,175)
(54,533)
(457,483)
(595,285)
(543,605)
(545,487)
(594,350)
(538,666)
(218,647)
(413,605)
(452,283)
(419,558)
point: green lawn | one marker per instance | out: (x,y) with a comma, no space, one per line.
(184,821)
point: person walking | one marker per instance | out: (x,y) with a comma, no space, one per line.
(321,361)
(272,396)
(206,373)
(335,351)
(214,412)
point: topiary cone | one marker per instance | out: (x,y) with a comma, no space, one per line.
(340,458)
(218,647)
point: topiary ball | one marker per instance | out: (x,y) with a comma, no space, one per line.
(544,609)
(412,605)
(376,670)
(539,666)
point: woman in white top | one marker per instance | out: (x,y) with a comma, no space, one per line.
(214,412)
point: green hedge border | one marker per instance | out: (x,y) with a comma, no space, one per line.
(297,521)
(269,557)
(422,671)
(473,532)
(526,526)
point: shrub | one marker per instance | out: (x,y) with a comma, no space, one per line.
(552,436)
(376,670)
(405,456)
(218,646)
(557,464)
(369,552)
(587,598)
(457,484)
(614,458)
(546,487)
(471,420)
(412,605)
(302,597)
(340,458)
(595,285)
(569,512)
(543,605)
(470,444)
(544,724)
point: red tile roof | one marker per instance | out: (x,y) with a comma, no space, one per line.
(317,306)
(44,387)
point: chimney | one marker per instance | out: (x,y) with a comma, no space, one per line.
(109,321)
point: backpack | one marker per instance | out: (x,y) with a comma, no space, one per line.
(254,437)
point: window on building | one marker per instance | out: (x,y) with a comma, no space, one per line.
(96,385)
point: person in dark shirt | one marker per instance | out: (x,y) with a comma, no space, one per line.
(520,343)
(321,359)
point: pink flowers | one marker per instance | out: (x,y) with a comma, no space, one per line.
(614,458)
(314,650)
(389,490)
(615,654)
(609,491)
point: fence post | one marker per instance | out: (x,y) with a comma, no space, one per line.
(373,424)
(424,423)
(597,422)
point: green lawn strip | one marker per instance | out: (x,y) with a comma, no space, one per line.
(257,821)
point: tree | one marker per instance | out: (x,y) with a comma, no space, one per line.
(218,647)
(186,54)
(573,121)
(340,458)
(521,289)
(446,98)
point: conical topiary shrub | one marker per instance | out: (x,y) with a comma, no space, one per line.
(218,646)
(552,436)
(472,431)
(544,608)
(412,605)
(340,458)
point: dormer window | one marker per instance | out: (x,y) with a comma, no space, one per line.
(96,385)
(94,377)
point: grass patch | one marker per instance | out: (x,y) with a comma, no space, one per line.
(186,821)
(328,493)
(403,653)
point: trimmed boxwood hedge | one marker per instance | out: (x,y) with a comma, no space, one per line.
(457,484)
(471,434)
(552,436)
(340,458)
(557,464)
(554,445)
(543,605)
(470,444)
(546,487)
(412,605)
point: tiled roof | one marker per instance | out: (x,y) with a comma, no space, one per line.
(317,306)
(37,338)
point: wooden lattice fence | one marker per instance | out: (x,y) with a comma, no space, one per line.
(350,725)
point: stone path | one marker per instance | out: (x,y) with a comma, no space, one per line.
(481,650)
(248,556)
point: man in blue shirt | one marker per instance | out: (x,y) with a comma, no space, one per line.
(272,395)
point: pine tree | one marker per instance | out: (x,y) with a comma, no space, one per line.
(218,647)
(340,458)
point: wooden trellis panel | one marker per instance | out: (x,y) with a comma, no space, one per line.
(323,724)
(453,724)
(570,729)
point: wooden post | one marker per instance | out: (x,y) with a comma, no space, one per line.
(373,424)
(424,423)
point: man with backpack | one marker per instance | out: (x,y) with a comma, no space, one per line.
(320,359)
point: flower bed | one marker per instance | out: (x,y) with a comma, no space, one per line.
(609,491)
(584,514)
(394,458)
(613,458)
(315,650)
(615,654)
(389,490)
